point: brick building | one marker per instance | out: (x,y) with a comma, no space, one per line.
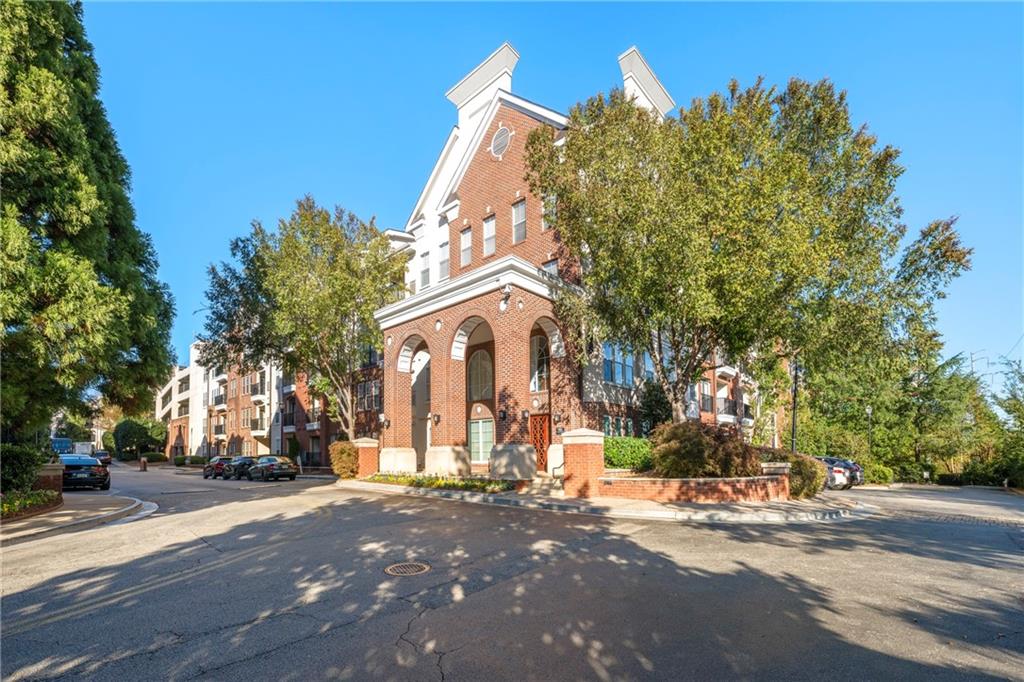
(475,372)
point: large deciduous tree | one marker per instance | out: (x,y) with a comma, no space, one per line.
(758,223)
(82,307)
(304,297)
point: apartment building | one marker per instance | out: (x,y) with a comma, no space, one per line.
(240,408)
(475,372)
(179,404)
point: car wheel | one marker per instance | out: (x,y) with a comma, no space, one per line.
(105,486)
(248,475)
(291,478)
(205,475)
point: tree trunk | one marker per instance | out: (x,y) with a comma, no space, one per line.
(678,410)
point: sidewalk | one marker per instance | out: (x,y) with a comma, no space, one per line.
(793,511)
(77,513)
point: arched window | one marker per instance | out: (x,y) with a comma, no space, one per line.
(481,376)
(540,363)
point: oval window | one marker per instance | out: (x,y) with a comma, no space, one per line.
(499,143)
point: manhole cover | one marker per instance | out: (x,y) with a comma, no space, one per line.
(407,568)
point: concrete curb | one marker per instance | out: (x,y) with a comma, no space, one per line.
(687,516)
(81,524)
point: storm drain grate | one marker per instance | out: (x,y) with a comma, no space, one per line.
(407,568)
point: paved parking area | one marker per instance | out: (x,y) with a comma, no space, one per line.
(288,583)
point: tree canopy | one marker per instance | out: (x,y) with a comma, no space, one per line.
(304,296)
(83,310)
(756,225)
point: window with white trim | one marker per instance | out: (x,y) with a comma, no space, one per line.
(442,263)
(481,440)
(489,236)
(547,218)
(540,363)
(424,269)
(481,376)
(519,221)
(550,267)
(466,247)
(618,365)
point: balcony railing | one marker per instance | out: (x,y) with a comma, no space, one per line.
(257,425)
(313,415)
(287,419)
(220,398)
(727,406)
(707,403)
(258,389)
(218,429)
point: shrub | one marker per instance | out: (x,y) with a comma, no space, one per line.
(807,475)
(108,443)
(344,459)
(139,434)
(19,501)
(154,457)
(876,472)
(19,465)
(197,459)
(127,456)
(694,450)
(627,453)
(480,485)
(949,479)
(179,460)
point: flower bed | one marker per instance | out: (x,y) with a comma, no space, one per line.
(15,504)
(479,485)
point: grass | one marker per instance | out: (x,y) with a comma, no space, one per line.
(477,485)
(17,503)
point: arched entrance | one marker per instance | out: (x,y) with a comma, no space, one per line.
(474,344)
(421,417)
(540,394)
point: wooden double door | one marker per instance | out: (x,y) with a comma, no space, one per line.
(540,438)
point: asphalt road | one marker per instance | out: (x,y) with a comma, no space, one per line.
(240,581)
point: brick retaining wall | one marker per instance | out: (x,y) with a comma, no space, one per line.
(753,489)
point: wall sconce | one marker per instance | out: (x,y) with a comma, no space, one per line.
(557,418)
(502,415)
(436,417)
(384,421)
(525,414)
(559,431)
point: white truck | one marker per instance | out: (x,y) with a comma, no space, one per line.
(84,447)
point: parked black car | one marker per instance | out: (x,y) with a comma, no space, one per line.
(83,471)
(237,467)
(272,467)
(103,456)
(215,467)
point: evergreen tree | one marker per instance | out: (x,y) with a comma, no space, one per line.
(82,308)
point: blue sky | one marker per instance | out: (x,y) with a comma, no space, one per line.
(229,112)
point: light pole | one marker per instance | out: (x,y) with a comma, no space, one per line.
(792,424)
(869,410)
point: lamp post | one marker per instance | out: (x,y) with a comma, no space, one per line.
(869,410)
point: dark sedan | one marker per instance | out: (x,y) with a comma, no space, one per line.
(215,467)
(103,456)
(272,467)
(237,467)
(83,471)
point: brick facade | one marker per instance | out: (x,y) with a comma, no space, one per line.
(709,490)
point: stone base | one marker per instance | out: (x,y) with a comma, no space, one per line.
(447,460)
(556,460)
(513,461)
(398,460)
(50,477)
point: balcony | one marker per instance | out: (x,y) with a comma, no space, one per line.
(220,375)
(220,432)
(707,403)
(258,427)
(287,384)
(220,401)
(258,393)
(313,420)
(726,410)
(288,422)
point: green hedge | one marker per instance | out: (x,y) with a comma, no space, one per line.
(807,475)
(154,457)
(16,502)
(480,485)
(622,452)
(876,472)
(197,459)
(19,465)
(179,460)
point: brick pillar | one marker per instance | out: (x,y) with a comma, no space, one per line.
(584,462)
(369,456)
